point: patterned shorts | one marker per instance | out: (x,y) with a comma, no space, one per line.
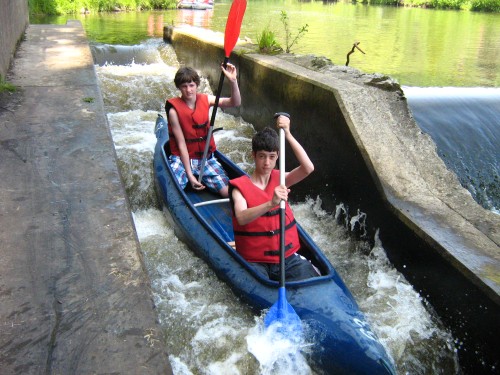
(214,176)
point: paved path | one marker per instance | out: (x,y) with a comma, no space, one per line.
(74,297)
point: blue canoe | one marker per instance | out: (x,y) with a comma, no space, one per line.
(343,342)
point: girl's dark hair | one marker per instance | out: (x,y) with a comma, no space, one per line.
(186,75)
(266,140)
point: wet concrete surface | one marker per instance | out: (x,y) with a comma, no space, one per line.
(74,294)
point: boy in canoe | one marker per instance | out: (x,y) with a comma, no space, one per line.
(255,201)
(189,124)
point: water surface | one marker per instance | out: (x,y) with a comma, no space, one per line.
(418,47)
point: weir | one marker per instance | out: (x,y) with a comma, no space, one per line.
(371,156)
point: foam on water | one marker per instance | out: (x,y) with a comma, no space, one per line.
(114,54)
(204,323)
(277,354)
(132,130)
(405,324)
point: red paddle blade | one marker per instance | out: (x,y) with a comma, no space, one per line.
(233,25)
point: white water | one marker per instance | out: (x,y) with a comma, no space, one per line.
(208,330)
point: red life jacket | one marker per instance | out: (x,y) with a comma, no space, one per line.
(259,240)
(194,124)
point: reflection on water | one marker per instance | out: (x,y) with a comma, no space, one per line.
(193,17)
(155,25)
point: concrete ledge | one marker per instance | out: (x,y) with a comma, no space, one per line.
(370,154)
(74,295)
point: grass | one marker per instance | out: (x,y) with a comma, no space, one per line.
(290,40)
(6,86)
(267,42)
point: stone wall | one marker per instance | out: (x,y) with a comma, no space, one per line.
(14,17)
(371,156)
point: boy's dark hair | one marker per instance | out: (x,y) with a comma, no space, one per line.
(186,75)
(266,140)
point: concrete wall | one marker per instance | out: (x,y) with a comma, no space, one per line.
(370,155)
(14,18)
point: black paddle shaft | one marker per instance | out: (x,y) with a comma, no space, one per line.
(212,120)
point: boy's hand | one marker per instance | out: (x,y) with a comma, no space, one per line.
(280,193)
(229,71)
(283,122)
(195,184)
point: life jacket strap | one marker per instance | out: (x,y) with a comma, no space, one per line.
(277,252)
(267,233)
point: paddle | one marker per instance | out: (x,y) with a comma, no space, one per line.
(282,311)
(233,26)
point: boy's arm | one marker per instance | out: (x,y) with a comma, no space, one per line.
(235,99)
(175,125)
(245,215)
(306,167)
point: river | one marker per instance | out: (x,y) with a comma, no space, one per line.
(208,330)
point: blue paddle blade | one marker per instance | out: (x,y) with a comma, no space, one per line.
(282,313)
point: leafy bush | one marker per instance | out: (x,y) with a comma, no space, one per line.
(485,5)
(57,7)
(474,5)
(385,2)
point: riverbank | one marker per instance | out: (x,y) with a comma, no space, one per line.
(74,295)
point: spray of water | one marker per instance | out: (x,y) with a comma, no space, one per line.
(277,353)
